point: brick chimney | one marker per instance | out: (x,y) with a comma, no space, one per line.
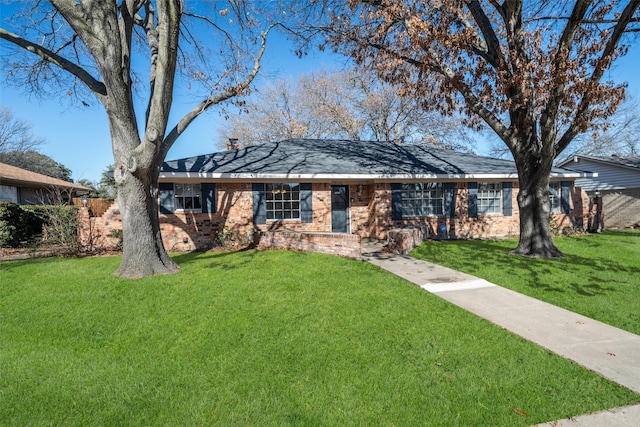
(233,144)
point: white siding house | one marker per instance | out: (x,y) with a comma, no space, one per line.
(617,184)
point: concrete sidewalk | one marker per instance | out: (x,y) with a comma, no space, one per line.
(606,350)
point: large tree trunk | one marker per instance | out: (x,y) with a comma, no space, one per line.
(136,173)
(143,251)
(535,209)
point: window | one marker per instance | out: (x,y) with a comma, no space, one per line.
(283,201)
(554,196)
(8,193)
(422,199)
(188,196)
(489,198)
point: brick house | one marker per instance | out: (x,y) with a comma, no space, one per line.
(300,193)
(614,183)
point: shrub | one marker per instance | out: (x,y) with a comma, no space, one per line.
(18,226)
(60,226)
(116,233)
(228,237)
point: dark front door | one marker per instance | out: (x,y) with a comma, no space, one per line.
(340,208)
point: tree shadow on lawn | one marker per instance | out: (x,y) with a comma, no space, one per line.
(220,258)
(216,259)
(43,262)
(556,275)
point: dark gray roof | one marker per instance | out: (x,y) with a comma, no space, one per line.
(341,157)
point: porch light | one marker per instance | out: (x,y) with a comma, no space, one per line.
(360,190)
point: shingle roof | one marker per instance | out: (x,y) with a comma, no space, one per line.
(340,158)
(14,175)
(625,161)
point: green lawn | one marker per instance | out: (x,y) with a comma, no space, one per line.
(266,338)
(599,277)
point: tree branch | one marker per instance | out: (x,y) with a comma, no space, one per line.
(215,99)
(565,44)
(602,64)
(494,53)
(472,101)
(94,85)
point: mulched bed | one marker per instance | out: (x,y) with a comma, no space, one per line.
(12,254)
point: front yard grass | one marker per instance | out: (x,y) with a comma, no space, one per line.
(266,338)
(599,277)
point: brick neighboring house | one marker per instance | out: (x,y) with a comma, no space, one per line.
(300,193)
(615,180)
(30,188)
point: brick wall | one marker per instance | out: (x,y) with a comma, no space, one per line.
(370,218)
(95,232)
(621,208)
(347,245)
(379,221)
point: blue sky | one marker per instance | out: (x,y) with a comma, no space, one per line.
(78,137)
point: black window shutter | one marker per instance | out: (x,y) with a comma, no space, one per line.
(208,190)
(306,205)
(167,197)
(396,201)
(473,199)
(449,199)
(565,196)
(507,193)
(259,204)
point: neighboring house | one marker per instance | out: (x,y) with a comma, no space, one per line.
(352,188)
(616,182)
(29,188)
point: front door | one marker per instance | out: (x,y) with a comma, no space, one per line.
(340,208)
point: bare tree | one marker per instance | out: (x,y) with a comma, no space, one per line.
(352,104)
(16,134)
(621,136)
(531,71)
(103,47)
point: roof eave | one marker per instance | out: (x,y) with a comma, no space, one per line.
(350,177)
(43,185)
(576,160)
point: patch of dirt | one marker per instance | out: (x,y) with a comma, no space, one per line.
(13,254)
(10,254)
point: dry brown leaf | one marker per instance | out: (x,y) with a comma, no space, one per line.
(520,412)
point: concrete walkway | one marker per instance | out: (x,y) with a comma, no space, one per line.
(606,350)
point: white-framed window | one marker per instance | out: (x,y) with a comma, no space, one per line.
(188,196)
(422,199)
(283,201)
(489,198)
(554,196)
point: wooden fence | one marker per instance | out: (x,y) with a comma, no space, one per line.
(97,206)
